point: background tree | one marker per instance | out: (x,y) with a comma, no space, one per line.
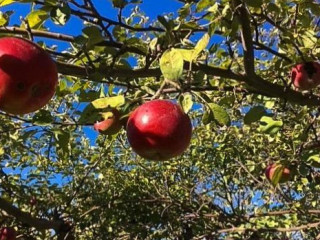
(227,63)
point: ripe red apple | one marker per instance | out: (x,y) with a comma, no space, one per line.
(7,233)
(28,76)
(306,75)
(110,124)
(159,130)
(277,173)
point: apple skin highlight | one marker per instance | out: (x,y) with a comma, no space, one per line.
(159,130)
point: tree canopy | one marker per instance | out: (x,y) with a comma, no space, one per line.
(226,62)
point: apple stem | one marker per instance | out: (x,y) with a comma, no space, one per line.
(160,90)
(28,28)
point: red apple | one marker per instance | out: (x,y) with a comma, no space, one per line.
(7,233)
(306,75)
(110,124)
(277,173)
(28,76)
(159,130)
(33,201)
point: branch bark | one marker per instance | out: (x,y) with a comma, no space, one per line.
(264,87)
(68,38)
(246,37)
(26,218)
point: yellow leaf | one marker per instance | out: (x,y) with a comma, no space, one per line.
(6,2)
(108,102)
(37,18)
(201,45)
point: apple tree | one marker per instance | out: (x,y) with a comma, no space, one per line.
(245,71)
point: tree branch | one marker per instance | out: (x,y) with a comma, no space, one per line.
(264,87)
(69,38)
(260,46)
(26,218)
(246,37)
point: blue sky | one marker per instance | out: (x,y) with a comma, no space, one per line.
(151,8)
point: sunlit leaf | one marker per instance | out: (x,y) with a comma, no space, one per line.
(201,45)
(186,102)
(270,126)
(36,18)
(6,2)
(60,15)
(171,64)
(109,102)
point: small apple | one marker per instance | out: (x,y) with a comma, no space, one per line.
(277,173)
(159,130)
(110,124)
(306,75)
(7,233)
(33,201)
(28,76)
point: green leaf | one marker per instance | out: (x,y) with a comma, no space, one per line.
(171,64)
(1,151)
(187,54)
(138,43)
(273,8)
(184,11)
(4,18)
(270,126)
(314,160)
(164,22)
(93,34)
(207,117)
(314,7)
(92,111)
(42,118)
(254,114)
(186,102)
(48,2)
(214,9)
(304,170)
(28,134)
(202,4)
(108,102)
(309,39)
(254,3)
(62,139)
(60,15)
(119,33)
(119,3)
(220,114)
(89,115)
(201,45)
(153,44)
(88,96)
(227,101)
(36,18)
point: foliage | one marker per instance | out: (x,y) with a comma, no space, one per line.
(227,63)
